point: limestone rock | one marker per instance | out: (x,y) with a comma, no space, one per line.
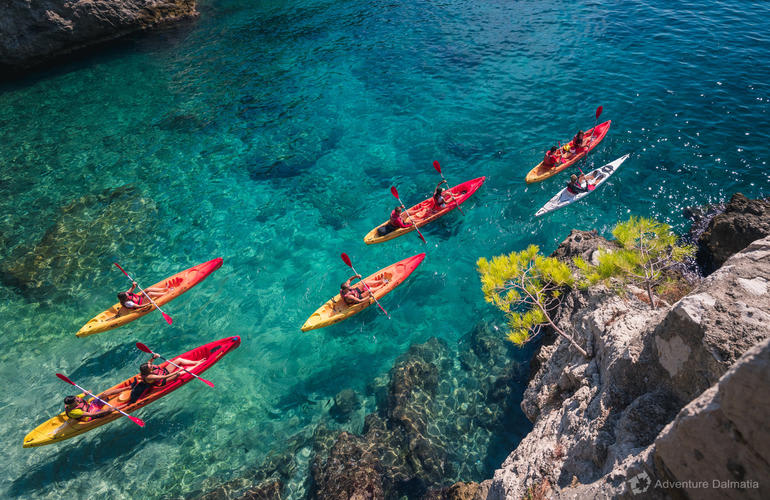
(723,434)
(742,222)
(596,420)
(31,32)
(583,244)
(709,329)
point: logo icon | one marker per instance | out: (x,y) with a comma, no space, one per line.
(639,483)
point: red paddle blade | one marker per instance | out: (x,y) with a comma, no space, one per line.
(64,377)
(144,348)
(393,191)
(118,266)
(137,421)
(437,166)
(206,382)
(346,259)
(598,112)
(167,318)
(422,237)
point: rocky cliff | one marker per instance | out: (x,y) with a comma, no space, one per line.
(672,402)
(34,31)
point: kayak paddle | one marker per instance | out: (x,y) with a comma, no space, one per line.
(347,261)
(437,166)
(165,316)
(137,421)
(394,192)
(146,349)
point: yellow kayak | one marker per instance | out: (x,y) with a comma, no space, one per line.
(336,310)
(60,427)
(178,283)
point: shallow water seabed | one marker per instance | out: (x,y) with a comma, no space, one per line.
(269,135)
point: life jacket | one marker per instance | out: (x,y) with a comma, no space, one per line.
(77,412)
(355,291)
(157,370)
(136,298)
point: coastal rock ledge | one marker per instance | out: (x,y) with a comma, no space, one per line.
(672,403)
(33,32)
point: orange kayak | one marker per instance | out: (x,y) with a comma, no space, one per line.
(566,156)
(178,284)
(60,427)
(423,212)
(382,282)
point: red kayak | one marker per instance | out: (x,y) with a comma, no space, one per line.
(60,427)
(423,212)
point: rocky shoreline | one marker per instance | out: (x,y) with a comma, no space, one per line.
(33,33)
(671,402)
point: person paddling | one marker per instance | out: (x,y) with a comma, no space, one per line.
(438,197)
(131,301)
(580,184)
(352,295)
(551,159)
(78,409)
(157,376)
(396,220)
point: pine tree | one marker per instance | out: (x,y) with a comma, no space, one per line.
(527,287)
(649,248)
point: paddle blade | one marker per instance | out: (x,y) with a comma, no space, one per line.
(64,377)
(422,237)
(137,421)
(599,112)
(394,192)
(118,266)
(206,382)
(437,166)
(346,259)
(144,348)
(167,317)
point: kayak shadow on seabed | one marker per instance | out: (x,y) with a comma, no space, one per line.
(82,456)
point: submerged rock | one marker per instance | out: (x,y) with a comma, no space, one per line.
(345,403)
(87,232)
(32,32)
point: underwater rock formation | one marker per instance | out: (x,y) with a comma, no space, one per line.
(32,32)
(87,232)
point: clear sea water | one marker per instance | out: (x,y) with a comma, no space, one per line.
(269,133)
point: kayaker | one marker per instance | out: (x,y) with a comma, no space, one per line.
(550,159)
(579,184)
(130,300)
(352,295)
(77,408)
(577,141)
(157,376)
(395,219)
(438,197)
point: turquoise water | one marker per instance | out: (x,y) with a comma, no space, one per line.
(269,134)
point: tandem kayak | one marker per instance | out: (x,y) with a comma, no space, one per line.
(565,197)
(180,282)
(336,310)
(61,427)
(423,212)
(540,173)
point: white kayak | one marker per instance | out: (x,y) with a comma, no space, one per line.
(565,197)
